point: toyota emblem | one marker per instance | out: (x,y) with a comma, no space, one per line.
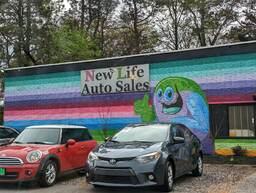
(112,161)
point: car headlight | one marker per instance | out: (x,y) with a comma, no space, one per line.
(34,156)
(92,157)
(148,157)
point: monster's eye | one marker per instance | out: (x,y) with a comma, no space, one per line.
(159,93)
(168,94)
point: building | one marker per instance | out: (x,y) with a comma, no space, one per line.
(51,94)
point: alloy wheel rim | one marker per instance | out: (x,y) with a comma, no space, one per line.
(170,176)
(50,173)
(200,165)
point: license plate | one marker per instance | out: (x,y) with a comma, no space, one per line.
(2,171)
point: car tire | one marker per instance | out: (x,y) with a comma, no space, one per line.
(198,171)
(169,178)
(48,174)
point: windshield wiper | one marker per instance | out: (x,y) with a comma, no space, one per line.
(17,142)
(141,141)
(114,141)
(39,142)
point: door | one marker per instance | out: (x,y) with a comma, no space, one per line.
(241,121)
(76,155)
(180,150)
(69,154)
(87,144)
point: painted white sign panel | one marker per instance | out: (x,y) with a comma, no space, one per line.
(121,79)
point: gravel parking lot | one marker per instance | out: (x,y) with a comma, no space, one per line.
(216,179)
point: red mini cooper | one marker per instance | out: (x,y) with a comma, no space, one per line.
(44,152)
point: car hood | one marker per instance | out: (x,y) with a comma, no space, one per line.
(126,149)
(21,150)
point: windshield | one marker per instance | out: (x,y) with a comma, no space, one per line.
(48,136)
(147,133)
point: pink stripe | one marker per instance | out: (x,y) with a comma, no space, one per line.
(230,99)
(63,111)
(70,116)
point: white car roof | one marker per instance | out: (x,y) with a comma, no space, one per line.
(57,127)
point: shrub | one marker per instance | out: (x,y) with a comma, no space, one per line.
(239,151)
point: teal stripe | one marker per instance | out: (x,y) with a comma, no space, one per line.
(186,67)
(40,79)
(200,74)
(205,61)
(48,85)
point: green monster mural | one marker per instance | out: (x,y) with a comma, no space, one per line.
(178,100)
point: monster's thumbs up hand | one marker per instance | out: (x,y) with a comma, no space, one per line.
(144,109)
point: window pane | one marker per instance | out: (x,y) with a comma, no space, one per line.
(76,134)
(241,121)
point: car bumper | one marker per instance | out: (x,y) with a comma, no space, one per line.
(126,174)
(25,172)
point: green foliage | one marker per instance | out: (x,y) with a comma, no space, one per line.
(142,108)
(249,144)
(73,44)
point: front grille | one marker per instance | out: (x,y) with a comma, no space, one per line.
(10,161)
(117,159)
(117,175)
(10,176)
(116,179)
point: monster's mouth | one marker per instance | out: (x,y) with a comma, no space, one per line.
(173,108)
(170,109)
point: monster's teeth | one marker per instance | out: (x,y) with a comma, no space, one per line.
(171,110)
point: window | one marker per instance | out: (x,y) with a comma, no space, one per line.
(232,120)
(177,131)
(39,135)
(241,121)
(7,133)
(76,134)
(148,133)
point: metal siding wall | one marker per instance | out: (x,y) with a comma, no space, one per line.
(55,98)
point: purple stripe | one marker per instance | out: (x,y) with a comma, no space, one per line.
(228,84)
(118,98)
(230,91)
(93,98)
(218,79)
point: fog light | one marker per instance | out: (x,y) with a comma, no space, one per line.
(28,172)
(151,177)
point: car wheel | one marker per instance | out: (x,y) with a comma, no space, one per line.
(198,171)
(169,178)
(49,174)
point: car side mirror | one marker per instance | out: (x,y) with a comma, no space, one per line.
(178,139)
(70,142)
(107,138)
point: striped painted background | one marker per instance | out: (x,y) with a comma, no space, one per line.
(55,98)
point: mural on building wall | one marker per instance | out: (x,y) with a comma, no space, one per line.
(55,97)
(178,100)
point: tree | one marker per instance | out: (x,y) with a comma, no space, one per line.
(94,17)
(246,28)
(174,25)
(69,44)
(137,35)
(211,18)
